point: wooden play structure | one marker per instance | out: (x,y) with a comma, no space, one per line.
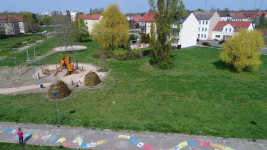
(65,65)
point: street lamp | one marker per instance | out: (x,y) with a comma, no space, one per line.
(55,94)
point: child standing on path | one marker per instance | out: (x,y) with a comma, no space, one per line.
(20,135)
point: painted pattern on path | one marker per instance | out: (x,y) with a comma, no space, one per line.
(78,140)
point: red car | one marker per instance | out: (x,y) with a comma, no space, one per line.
(206,44)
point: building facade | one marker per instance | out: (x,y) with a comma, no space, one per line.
(146,22)
(226,29)
(187,35)
(90,20)
(207,21)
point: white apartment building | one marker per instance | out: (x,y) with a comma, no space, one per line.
(207,21)
(90,20)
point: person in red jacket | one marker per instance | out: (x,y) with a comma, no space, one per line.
(20,135)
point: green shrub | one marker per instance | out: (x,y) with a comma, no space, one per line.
(123,54)
(243,51)
(120,54)
(97,53)
(138,52)
(166,64)
(16,45)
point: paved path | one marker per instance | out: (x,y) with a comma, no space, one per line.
(122,140)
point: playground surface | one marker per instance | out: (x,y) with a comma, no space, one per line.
(82,138)
(28,81)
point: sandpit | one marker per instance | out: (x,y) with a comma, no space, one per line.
(70,48)
(47,80)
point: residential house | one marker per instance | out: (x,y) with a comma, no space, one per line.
(225,16)
(10,24)
(207,21)
(90,20)
(23,25)
(252,15)
(226,29)
(146,21)
(187,35)
(135,20)
(237,16)
(73,16)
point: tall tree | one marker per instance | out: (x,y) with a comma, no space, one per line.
(79,30)
(262,19)
(243,51)
(32,20)
(2,31)
(167,13)
(62,34)
(112,30)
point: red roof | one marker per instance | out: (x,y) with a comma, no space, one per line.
(136,18)
(252,15)
(148,17)
(89,17)
(239,15)
(236,24)
(13,18)
(19,18)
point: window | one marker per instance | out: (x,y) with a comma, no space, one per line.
(198,35)
(206,22)
(198,28)
(205,29)
(202,35)
(199,22)
(230,30)
(217,36)
(225,29)
(202,28)
(203,22)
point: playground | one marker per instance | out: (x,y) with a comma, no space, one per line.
(26,79)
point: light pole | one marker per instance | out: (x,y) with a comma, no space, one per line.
(55,94)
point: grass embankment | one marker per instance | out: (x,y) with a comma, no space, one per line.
(199,96)
(14,58)
(12,146)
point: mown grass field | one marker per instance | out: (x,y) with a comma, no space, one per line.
(12,146)
(200,96)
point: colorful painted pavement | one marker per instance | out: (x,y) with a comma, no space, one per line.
(78,140)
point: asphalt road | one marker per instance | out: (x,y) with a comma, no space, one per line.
(121,140)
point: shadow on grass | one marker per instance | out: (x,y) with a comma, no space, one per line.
(83,41)
(221,65)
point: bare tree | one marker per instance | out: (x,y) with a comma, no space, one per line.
(61,24)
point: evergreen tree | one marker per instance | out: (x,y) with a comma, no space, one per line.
(262,19)
(169,12)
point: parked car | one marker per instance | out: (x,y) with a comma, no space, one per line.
(34,31)
(206,44)
(221,41)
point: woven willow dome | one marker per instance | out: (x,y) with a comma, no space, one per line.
(91,79)
(61,87)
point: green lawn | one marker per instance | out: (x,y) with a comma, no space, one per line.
(8,42)
(199,96)
(12,146)
(134,32)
